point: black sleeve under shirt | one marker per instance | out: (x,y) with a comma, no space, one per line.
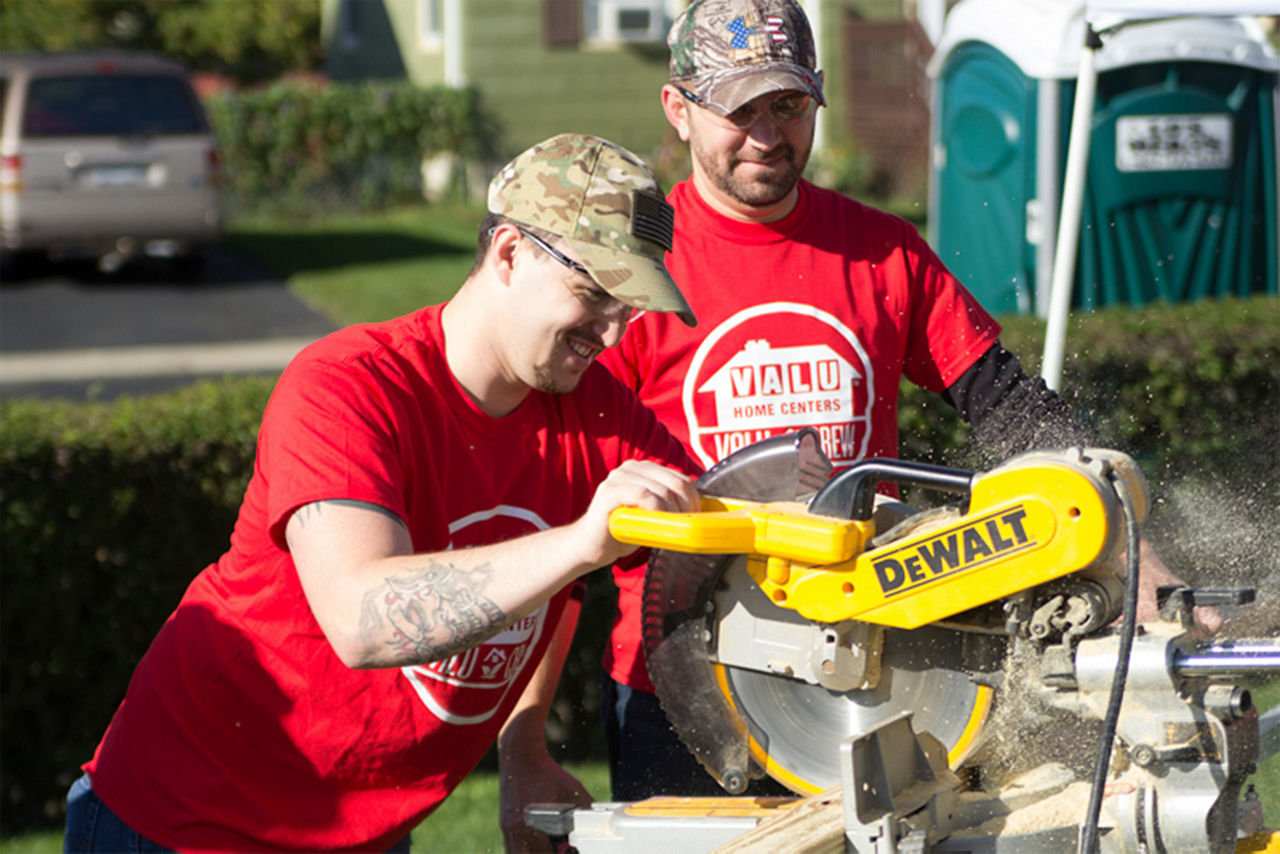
(1009,411)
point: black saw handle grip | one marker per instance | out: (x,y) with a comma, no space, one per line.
(851,494)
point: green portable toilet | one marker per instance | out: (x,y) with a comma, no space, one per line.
(1181,190)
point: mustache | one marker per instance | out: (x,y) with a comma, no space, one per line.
(783,150)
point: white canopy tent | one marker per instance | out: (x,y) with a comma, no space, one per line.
(1065,39)
(1099,18)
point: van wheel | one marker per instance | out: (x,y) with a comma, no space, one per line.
(185,268)
(18,265)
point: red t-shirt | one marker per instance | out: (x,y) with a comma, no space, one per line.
(808,321)
(241,728)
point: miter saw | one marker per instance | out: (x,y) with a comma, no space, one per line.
(862,653)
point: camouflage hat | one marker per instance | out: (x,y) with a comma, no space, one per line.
(607,206)
(726,52)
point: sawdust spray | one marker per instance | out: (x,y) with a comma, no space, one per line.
(1211,535)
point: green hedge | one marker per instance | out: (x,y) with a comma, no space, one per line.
(1181,387)
(108,510)
(298,146)
(106,514)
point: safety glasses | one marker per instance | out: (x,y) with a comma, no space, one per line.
(784,111)
(595,298)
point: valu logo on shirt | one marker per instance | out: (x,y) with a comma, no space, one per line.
(469,687)
(774,368)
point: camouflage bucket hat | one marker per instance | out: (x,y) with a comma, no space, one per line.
(727,52)
(609,208)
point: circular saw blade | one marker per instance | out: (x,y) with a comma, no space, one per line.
(809,722)
(795,728)
(677,592)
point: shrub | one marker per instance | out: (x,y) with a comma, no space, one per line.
(1192,392)
(845,168)
(298,147)
(106,514)
(1180,387)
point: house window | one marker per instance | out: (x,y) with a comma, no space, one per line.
(430,24)
(614,21)
(562,22)
(350,24)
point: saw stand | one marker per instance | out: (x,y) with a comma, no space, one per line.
(902,799)
(1186,741)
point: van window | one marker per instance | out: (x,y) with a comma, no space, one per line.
(110,105)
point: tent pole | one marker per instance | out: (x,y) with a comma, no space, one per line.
(1066,246)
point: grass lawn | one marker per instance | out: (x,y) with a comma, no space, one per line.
(468,820)
(1267,779)
(360,268)
(466,823)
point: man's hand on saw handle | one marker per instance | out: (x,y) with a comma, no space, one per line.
(635,483)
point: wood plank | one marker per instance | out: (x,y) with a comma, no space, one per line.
(815,826)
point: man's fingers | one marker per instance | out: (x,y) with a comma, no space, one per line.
(655,487)
(1208,618)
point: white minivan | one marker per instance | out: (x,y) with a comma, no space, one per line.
(105,155)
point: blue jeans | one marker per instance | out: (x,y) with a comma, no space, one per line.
(647,758)
(92,826)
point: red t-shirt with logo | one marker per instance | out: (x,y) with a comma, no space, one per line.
(808,321)
(241,728)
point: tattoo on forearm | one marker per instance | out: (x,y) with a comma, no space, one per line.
(428,616)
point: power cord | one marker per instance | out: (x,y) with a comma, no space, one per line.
(1128,628)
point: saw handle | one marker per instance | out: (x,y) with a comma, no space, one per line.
(783,529)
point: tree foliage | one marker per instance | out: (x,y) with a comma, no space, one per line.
(249,41)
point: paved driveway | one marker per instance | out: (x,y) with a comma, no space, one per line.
(68,331)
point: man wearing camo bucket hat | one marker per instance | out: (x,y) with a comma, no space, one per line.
(427,491)
(781,271)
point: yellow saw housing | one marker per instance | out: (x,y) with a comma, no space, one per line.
(1037,518)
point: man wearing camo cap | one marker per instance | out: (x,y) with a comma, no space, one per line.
(608,208)
(781,270)
(724,54)
(426,493)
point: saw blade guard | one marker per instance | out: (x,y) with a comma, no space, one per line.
(678,588)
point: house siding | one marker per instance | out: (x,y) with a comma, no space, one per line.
(537,91)
(831,59)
